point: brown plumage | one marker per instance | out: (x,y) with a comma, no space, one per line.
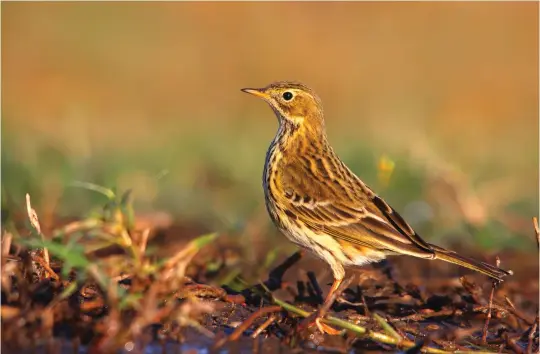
(321,205)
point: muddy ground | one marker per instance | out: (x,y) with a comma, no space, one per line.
(403,304)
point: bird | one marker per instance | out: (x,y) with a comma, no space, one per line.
(319,204)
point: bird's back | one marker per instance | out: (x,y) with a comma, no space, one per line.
(306,183)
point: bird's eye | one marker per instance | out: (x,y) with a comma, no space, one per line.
(287,96)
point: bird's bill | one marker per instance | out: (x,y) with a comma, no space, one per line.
(256,92)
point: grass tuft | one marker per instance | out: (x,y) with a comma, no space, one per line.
(98,268)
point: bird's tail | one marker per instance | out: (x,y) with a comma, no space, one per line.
(484,268)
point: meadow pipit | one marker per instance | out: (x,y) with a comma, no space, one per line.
(321,205)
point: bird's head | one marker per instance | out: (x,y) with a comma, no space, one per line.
(294,104)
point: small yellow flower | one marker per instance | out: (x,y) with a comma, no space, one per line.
(385,170)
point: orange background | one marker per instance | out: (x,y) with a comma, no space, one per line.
(123,91)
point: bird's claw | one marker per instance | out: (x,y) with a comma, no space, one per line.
(324,328)
(315,320)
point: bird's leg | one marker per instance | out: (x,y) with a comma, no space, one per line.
(316,317)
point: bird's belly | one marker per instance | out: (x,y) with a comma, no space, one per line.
(292,229)
(337,254)
(322,246)
(327,247)
(299,237)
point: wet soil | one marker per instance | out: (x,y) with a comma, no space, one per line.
(432,304)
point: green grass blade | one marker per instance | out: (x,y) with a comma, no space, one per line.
(109,193)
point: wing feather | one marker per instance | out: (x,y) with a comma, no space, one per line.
(365,220)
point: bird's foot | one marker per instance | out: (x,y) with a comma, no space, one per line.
(315,319)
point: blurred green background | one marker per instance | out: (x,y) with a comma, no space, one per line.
(146,96)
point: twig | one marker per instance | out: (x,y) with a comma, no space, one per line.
(520,315)
(201,290)
(488,317)
(249,321)
(235,299)
(509,302)
(315,285)
(122,277)
(144,240)
(387,327)
(531,335)
(375,336)
(511,342)
(32,215)
(364,303)
(92,305)
(245,325)
(42,262)
(490,304)
(275,277)
(514,311)
(417,348)
(34,221)
(501,348)
(450,312)
(511,310)
(265,325)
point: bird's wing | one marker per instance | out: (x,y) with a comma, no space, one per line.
(350,211)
